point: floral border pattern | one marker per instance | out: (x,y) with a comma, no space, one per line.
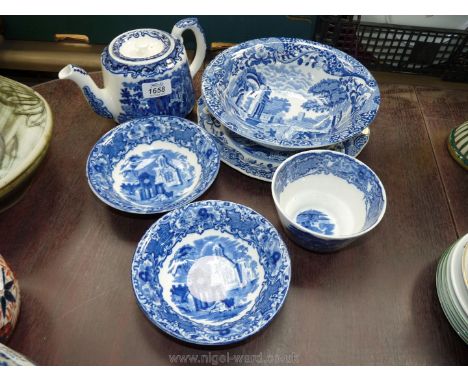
(114,145)
(228,218)
(217,75)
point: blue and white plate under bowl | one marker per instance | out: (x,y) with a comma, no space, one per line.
(257,161)
(211,273)
(152,165)
(326,199)
(290,94)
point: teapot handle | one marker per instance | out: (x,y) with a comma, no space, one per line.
(192,24)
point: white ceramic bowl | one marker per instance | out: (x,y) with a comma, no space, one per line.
(326,199)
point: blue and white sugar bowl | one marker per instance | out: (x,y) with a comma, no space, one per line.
(326,199)
(145,72)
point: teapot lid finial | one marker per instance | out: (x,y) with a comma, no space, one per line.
(141,46)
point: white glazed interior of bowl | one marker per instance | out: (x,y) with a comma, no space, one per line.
(325,204)
(328,194)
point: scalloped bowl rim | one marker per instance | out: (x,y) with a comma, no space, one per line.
(273,145)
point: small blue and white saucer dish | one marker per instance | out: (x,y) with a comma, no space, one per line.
(326,199)
(211,273)
(255,160)
(290,94)
(152,165)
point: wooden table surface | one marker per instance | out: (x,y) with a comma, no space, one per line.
(374,302)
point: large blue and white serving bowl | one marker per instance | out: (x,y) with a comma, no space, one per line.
(290,94)
(152,165)
(326,199)
(211,273)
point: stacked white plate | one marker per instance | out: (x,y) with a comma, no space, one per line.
(452,286)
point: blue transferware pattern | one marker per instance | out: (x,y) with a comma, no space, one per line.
(9,357)
(138,71)
(290,94)
(340,165)
(96,104)
(188,22)
(134,103)
(212,273)
(145,72)
(152,165)
(156,176)
(255,160)
(316,221)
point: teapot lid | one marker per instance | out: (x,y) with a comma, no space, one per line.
(141,46)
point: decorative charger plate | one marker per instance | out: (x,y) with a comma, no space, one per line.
(26,125)
(211,273)
(255,160)
(152,165)
(290,94)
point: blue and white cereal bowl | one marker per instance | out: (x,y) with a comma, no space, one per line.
(152,165)
(326,199)
(211,273)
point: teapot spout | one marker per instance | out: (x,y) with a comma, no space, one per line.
(96,97)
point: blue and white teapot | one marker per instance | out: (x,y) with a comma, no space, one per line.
(145,72)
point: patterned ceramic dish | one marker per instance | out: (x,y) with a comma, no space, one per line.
(25,133)
(458,144)
(290,94)
(212,273)
(255,160)
(326,199)
(9,357)
(152,165)
(10,301)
